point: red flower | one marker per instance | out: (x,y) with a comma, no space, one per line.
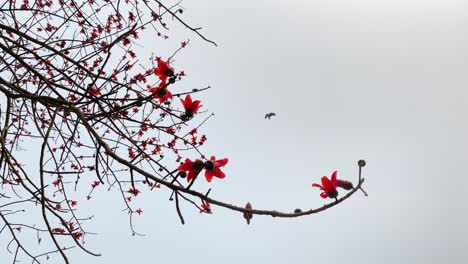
(95,184)
(164,70)
(213,166)
(139,211)
(57,182)
(72,97)
(58,230)
(133,191)
(161,92)
(191,107)
(205,207)
(94,91)
(70,225)
(192,167)
(78,235)
(328,186)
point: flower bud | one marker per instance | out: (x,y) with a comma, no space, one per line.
(139,102)
(182,174)
(247,215)
(361,163)
(344,184)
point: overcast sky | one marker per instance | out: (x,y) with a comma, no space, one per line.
(381,80)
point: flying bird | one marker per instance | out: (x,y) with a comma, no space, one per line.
(269,115)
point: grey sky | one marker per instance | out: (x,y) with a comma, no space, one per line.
(383,80)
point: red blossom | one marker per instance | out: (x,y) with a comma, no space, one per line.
(56,183)
(94,91)
(205,207)
(133,191)
(58,230)
(202,140)
(72,97)
(213,166)
(191,107)
(131,16)
(70,225)
(163,71)
(50,28)
(192,167)
(328,186)
(156,150)
(126,41)
(139,211)
(78,235)
(161,92)
(95,184)
(131,153)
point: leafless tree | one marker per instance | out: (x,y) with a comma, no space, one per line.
(81,96)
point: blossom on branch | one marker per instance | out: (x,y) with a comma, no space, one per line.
(163,71)
(134,191)
(58,230)
(328,186)
(78,235)
(94,91)
(161,92)
(205,207)
(192,167)
(213,166)
(191,107)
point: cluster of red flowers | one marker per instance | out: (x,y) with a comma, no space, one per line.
(329,186)
(164,71)
(166,75)
(133,191)
(212,168)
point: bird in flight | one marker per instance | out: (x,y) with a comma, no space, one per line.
(269,115)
